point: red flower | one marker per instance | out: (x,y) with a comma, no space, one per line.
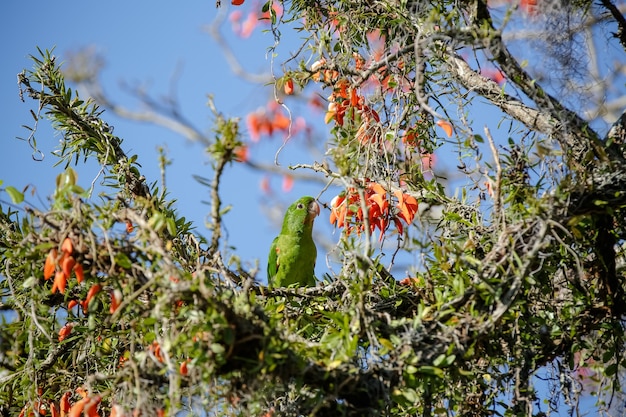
(289,90)
(346,209)
(65,331)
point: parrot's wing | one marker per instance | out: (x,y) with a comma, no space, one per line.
(272,262)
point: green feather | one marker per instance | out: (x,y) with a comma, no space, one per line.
(292,255)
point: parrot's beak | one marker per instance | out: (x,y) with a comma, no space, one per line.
(314,209)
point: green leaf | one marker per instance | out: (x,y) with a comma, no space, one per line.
(122,260)
(217,348)
(432,370)
(16,196)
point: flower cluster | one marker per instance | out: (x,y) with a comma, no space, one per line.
(87,406)
(62,267)
(244,27)
(266,121)
(347,210)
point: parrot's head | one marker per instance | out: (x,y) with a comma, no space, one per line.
(303,211)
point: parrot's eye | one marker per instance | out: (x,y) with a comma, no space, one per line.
(300,206)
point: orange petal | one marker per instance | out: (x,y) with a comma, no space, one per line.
(60,282)
(354,98)
(81,391)
(411,203)
(53,410)
(184,370)
(341,218)
(48,267)
(409,281)
(407,206)
(377,188)
(446,126)
(80,274)
(398,225)
(65,331)
(289,90)
(91,407)
(287,183)
(64,404)
(68,265)
(237,2)
(380,201)
(280,121)
(77,408)
(67,246)
(241,154)
(95,289)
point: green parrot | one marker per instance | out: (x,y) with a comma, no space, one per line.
(293,253)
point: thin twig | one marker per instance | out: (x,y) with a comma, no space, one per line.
(497,188)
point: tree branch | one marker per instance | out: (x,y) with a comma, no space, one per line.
(619,18)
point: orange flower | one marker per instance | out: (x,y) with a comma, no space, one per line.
(77,408)
(67,246)
(184,370)
(408,281)
(249,25)
(80,274)
(72,304)
(407,206)
(331,112)
(287,183)
(237,2)
(116,300)
(288,87)
(411,137)
(53,410)
(68,264)
(346,211)
(335,212)
(64,404)
(155,348)
(266,121)
(446,126)
(494,75)
(95,289)
(129,227)
(60,282)
(91,407)
(49,265)
(280,121)
(65,331)
(241,153)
